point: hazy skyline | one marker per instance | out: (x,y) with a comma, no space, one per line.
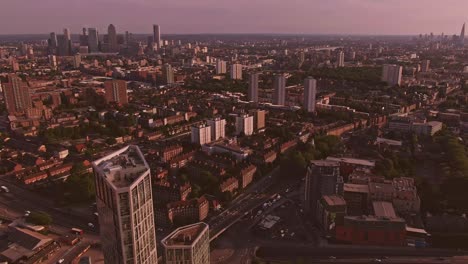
(241,16)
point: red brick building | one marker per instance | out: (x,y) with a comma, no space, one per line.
(187,212)
(372,230)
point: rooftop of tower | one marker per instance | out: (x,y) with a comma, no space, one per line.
(185,236)
(121,168)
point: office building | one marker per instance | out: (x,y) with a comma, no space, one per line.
(116,92)
(93,40)
(53,40)
(462,36)
(201,135)
(168,74)
(310,91)
(187,245)
(425,65)
(279,87)
(125,206)
(218,128)
(391,74)
(112,39)
(53,61)
(252,93)
(64,46)
(220,67)
(84,38)
(16,94)
(157,36)
(244,125)
(340,61)
(236,71)
(322,178)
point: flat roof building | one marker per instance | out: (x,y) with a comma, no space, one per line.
(187,245)
(125,206)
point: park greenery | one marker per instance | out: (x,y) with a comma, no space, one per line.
(295,162)
(39,218)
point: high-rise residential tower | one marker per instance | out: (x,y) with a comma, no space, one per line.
(201,134)
(157,36)
(187,245)
(236,71)
(16,94)
(112,38)
(244,125)
(116,91)
(340,61)
(392,74)
(93,40)
(310,91)
(125,206)
(252,93)
(279,89)
(168,74)
(218,128)
(220,67)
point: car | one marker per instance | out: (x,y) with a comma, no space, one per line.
(91,225)
(27,212)
(61,260)
(377,261)
(331,257)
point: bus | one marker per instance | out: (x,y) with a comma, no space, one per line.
(77,231)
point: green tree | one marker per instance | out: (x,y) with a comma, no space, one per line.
(39,218)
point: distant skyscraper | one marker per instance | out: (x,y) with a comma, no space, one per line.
(310,90)
(220,67)
(84,38)
(16,94)
(244,125)
(462,36)
(187,245)
(125,206)
(252,94)
(67,33)
(112,38)
(157,35)
(53,61)
(279,87)
(93,40)
(218,128)
(236,71)
(64,45)
(322,178)
(116,91)
(53,40)
(392,74)
(340,62)
(168,73)
(201,134)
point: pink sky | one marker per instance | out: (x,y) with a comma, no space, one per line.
(237,16)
